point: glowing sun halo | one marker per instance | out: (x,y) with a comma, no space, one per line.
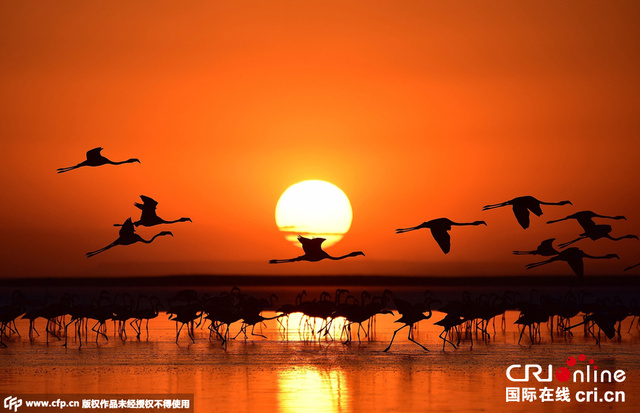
(314,209)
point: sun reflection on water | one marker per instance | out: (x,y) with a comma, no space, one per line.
(312,389)
(296,326)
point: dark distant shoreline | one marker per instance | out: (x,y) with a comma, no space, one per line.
(195,281)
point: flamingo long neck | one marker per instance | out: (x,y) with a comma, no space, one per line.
(341,257)
(474,223)
(152,238)
(623,237)
(428,304)
(183,219)
(552,203)
(598,257)
(121,162)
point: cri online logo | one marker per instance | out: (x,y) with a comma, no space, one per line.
(12,403)
(591,374)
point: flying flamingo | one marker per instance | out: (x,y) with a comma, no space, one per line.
(573,256)
(149,218)
(521,207)
(440,230)
(585,218)
(127,236)
(94,158)
(313,252)
(595,233)
(545,249)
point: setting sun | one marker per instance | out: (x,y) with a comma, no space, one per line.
(314,208)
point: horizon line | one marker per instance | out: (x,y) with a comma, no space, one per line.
(322,280)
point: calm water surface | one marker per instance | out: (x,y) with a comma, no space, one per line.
(286,373)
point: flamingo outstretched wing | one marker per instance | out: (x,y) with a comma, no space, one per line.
(311,246)
(577,265)
(522,215)
(94,153)
(147,203)
(443,239)
(126,229)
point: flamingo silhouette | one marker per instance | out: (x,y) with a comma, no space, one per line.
(522,205)
(545,249)
(604,321)
(127,236)
(94,158)
(251,317)
(451,320)
(573,256)
(439,229)
(8,315)
(149,218)
(185,315)
(101,313)
(532,318)
(411,314)
(585,218)
(145,313)
(313,252)
(596,232)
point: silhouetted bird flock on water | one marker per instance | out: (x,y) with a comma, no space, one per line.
(341,317)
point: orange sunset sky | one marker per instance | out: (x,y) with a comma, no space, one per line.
(415,109)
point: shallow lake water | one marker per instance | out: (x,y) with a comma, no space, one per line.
(293,372)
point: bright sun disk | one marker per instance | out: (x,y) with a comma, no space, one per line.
(314,209)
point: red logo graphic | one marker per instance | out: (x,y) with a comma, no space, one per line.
(564,374)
